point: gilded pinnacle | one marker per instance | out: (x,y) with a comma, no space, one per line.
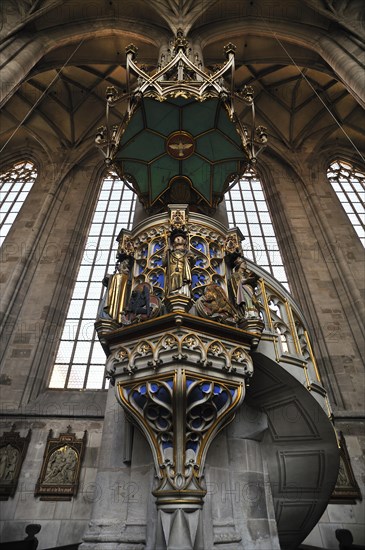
(132,49)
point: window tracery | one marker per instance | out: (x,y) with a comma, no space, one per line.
(283,337)
(349,186)
(15,184)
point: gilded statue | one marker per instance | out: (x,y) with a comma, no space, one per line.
(178,261)
(142,305)
(117,291)
(243,284)
(215,305)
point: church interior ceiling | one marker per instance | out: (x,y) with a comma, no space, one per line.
(61,101)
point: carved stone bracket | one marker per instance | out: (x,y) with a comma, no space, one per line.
(181,388)
(180,413)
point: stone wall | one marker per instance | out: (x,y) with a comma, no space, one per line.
(345,516)
(62,522)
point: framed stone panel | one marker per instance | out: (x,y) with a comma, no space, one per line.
(13,449)
(60,473)
(346,489)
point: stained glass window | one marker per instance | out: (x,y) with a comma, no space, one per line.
(80,360)
(247,209)
(15,185)
(349,185)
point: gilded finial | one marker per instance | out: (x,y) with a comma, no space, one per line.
(229,48)
(131,49)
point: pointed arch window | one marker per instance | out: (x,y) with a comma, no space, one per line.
(247,209)
(15,184)
(349,186)
(80,361)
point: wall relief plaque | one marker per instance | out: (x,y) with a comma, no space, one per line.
(346,489)
(60,473)
(13,449)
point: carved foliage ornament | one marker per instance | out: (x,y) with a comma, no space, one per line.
(60,473)
(189,348)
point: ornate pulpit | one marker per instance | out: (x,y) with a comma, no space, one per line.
(191,329)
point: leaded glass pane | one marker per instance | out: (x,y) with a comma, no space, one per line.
(87,330)
(95,229)
(77,376)
(64,352)
(59,376)
(264,260)
(84,273)
(95,377)
(255,229)
(70,330)
(80,359)
(98,355)
(247,202)
(82,350)
(239,217)
(74,311)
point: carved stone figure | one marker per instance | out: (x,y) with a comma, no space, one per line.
(61,466)
(231,244)
(343,478)
(3,462)
(8,459)
(178,260)
(125,248)
(13,449)
(243,283)
(215,305)
(116,296)
(142,305)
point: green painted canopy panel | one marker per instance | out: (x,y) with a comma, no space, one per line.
(220,171)
(162,118)
(161,174)
(228,128)
(139,173)
(180,137)
(145,146)
(135,125)
(212,147)
(199,172)
(199,117)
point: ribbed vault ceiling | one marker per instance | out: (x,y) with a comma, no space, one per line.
(298,98)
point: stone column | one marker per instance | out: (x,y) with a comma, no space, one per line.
(346,58)
(41,256)
(318,269)
(238,486)
(17,59)
(122,499)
